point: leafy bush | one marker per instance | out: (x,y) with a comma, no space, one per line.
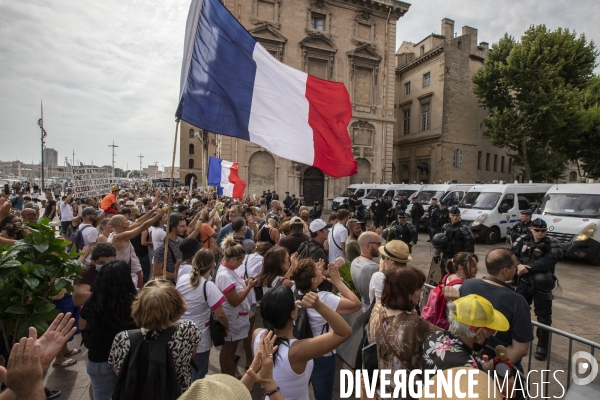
(31,271)
(347,278)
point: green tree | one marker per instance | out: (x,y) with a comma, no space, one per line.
(532,91)
(31,271)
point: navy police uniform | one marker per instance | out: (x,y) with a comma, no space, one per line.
(541,258)
(439,218)
(519,228)
(403,229)
(457,238)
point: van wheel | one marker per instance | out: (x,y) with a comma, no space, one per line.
(492,236)
(596,259)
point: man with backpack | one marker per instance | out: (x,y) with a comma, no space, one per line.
(86,234)
(313,248)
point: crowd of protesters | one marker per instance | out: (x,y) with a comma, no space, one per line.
(221,261)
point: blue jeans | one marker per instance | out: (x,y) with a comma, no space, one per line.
(323,376)
(103,379)
(201,360)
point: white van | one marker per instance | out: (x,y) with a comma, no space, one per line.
(360,189)
(409,190)
(572,213)
(491,209)
(453,191)
(375,193)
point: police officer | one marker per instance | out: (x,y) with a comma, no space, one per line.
(520,227)
(537,255)
(361,214)
(416,212)
(403,201)
(352,199)
(378,210)
(429,213)
(389,210)
(439,218)
(403,229)
(457,238)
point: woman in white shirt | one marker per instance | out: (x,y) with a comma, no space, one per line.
(237,306)
(202,297)
(189,247)
(308,276)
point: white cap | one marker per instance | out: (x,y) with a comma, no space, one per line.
(318,224)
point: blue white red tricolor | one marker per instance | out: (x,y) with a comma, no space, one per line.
(224,175)
(232,86)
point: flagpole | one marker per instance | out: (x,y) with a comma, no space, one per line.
(169,202)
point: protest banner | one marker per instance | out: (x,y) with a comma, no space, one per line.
(90,182)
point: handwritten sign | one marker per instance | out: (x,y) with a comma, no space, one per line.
(90,182)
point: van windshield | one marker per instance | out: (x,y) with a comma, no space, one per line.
(480,200)
(570,205)
(425,196)
(347,192)
(406,193)
(375,193)
(389,193)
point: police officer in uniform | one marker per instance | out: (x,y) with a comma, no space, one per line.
(457,237)
(403,229)
(521,227)
(537,255)
(378,210)
(361,214)
(429,213)
(416,212)
(440,218)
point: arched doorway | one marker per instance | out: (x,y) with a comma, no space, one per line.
(188,179)
(313,185)
(261,173)
(405,173)
(364,172)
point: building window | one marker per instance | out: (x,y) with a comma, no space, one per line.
(502,164)
(425,116)
(191,133)
(479,154)
(407,88)
(406,122)
(426,79)
(487,161)
(422,50)
(495,162)
(191,149)
(317,21)
(510,165)
(573,176)
(191,163)
(457,158)
(363,86)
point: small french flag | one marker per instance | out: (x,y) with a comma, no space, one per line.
(224,175)
(232,86)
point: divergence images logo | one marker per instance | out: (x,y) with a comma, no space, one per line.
(590,365)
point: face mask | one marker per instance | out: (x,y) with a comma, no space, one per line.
(98,267)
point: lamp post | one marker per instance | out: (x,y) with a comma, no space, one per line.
(43,135)
(113,159)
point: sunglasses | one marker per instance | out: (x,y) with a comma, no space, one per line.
(539,230)
(491,331)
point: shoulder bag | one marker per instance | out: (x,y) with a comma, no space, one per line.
(217,330)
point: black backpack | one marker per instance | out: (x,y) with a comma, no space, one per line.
(148,371)
(77,239)
(302,328)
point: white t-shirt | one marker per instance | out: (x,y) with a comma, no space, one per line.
(227,280)
(90,235)
(158,237)
(184,268)
(198,309)
(253,264)
(337,235)
(66,212)
(317,322)
(376,286)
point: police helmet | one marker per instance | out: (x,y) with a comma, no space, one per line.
(526,212)
(543,282)
(384,234)
(437,240)
(443,203)
(539,223)
(454,210)
(401,212)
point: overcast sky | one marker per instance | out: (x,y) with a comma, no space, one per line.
(109,70)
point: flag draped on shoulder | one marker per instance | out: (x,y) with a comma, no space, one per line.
(224,175)
(232,86)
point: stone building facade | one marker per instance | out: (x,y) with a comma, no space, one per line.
(439,124)
(340,40)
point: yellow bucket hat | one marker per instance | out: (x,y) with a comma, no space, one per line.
(477,311)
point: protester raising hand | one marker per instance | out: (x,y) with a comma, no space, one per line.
(261,370)
(24,374)
(52,341)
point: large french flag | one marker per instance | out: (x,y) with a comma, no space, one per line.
(232,86)
(224,175)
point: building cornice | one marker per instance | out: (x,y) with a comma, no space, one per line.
(435,51)
(476,57)
(380,7)
(411,140)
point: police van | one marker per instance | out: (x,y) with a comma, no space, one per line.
(493,208)
(375,193)
(408,190)
(452,193)
(360,189)
(572,213)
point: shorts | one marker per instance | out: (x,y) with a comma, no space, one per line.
(238,327)
(64,227)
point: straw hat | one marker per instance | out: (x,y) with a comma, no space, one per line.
(217,387)
(484,384)
(396,250)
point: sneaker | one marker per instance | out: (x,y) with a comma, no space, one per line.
(52,394)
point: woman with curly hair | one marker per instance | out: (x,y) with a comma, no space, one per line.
(106,313)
